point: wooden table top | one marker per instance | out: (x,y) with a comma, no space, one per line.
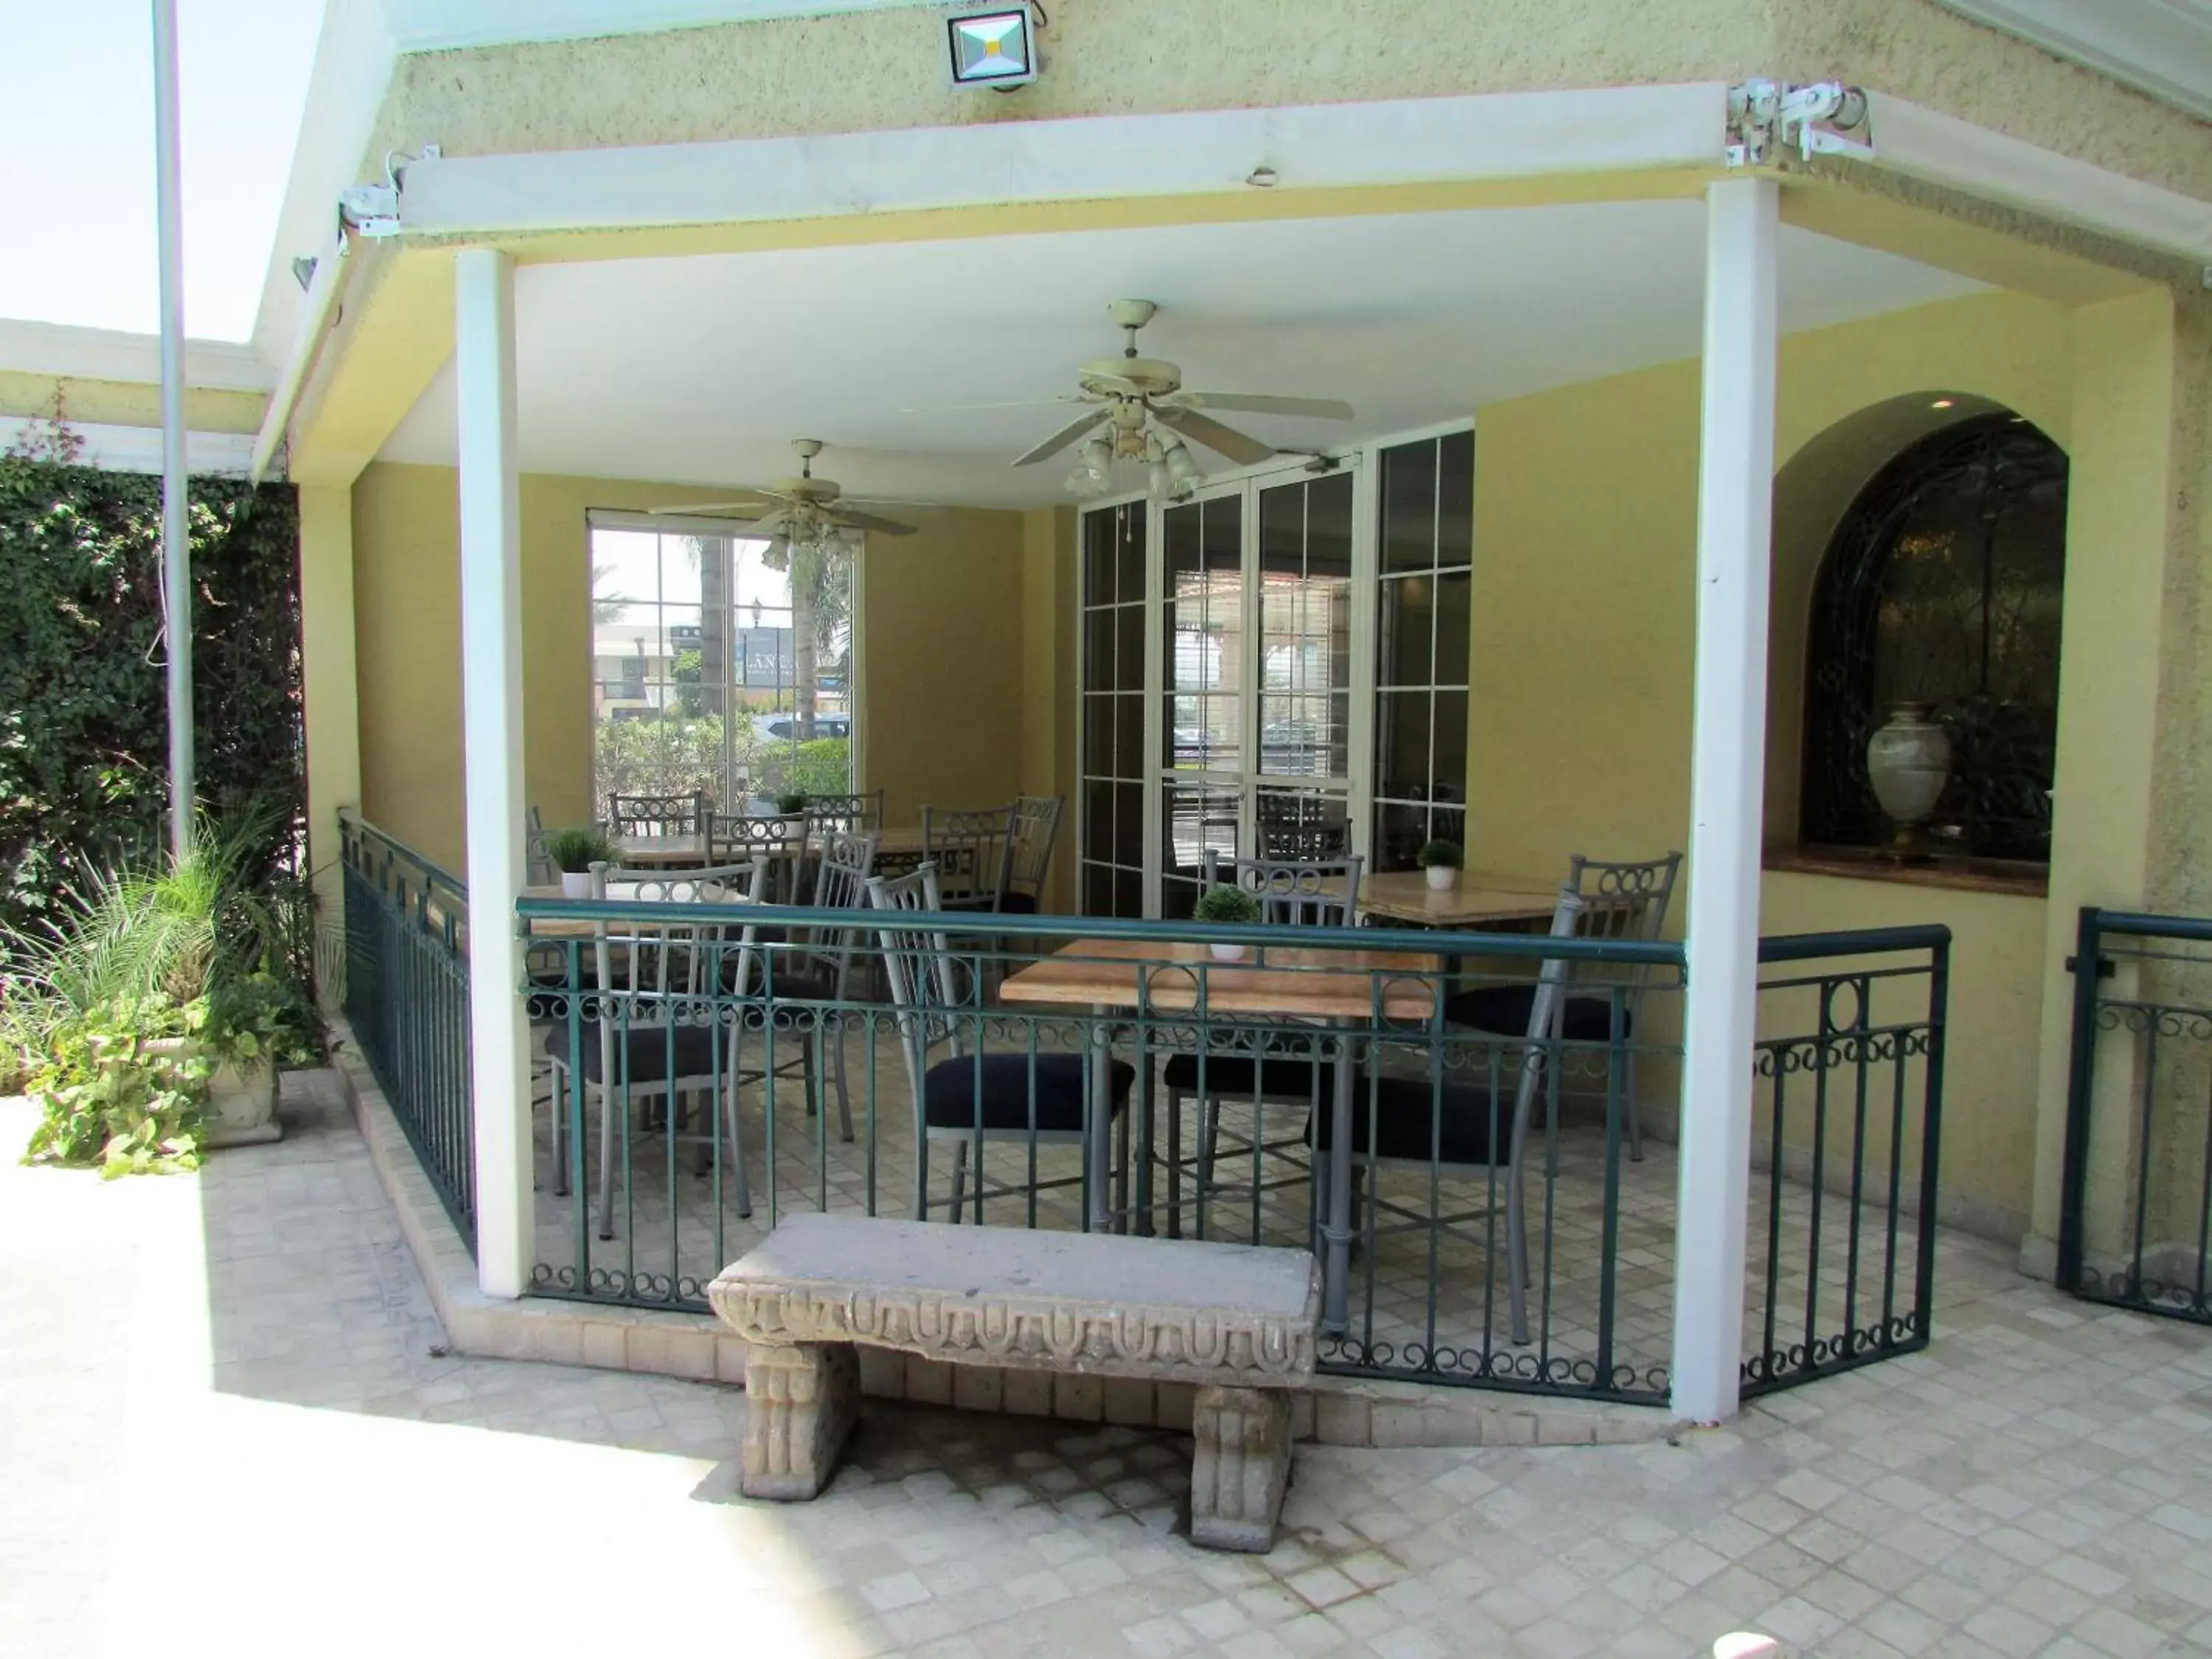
(1311,983)
(577,927)
(1477,899)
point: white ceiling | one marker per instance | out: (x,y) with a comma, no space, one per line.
(701,369)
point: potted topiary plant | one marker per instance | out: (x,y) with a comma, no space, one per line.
(575,851)
(1227,902)
(1442,860)
(792,803)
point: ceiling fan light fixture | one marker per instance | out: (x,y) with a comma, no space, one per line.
(1094,469)
(992,48)
(1182,471)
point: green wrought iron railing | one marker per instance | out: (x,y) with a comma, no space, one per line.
(407,1001)
(2135,1225)
(1849,1104)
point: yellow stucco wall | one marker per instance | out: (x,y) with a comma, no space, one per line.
(940,677)
(1584,625)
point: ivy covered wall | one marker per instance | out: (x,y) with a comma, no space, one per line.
(83,729)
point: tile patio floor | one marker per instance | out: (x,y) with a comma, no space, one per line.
(226,1427)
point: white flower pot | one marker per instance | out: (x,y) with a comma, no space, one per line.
(576,883)
(1441,877)
(242,1105)
(1908,763)
(1231,952)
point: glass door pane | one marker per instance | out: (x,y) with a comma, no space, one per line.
(1111,847)
(1423,611)
(1304,668)
(1204,623)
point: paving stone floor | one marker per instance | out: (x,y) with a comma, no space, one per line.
(227,1425)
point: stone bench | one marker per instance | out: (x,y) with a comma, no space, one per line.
(1235,1321)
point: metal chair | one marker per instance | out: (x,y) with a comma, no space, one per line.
(659,816)
(856,814)
(1295,892)
(815,966)
(735,837)
(970,1098)
(1300,827)
(969,850)
(539,868)
(1028,855)
(641,1033)
(1619,902)
(1424,1125)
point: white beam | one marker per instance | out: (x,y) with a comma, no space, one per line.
(1736,489)
(491,730)
(176,523)
(1086,158)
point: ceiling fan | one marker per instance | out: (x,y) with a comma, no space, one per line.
(1147,414)
(803,511)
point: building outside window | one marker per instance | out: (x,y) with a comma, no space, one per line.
(700,659)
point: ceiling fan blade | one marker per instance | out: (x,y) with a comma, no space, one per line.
(1319,409)
(773,527)
(1060,439)
(1244,450)
(1017,403)
(869,521)
(760,501)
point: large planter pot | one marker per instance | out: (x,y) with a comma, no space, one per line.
(242,1105)
(1441,877)
(1908,763)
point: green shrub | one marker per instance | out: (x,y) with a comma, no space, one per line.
(1226,902)
(83,720)
(1447,854)
(820,766)
(123,1086)
(577,850)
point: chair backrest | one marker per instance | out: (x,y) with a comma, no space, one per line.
(858,814)
(1028,855)
(539,869)
(735,837)
(658,815)
(969,850)
(1298,892)
(846,865)
(663,961)
(1547,1012)
(1624,901)
(918,964)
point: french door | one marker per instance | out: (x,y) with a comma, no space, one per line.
(1231,672)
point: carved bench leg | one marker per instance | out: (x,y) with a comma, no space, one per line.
(1242,1464)
(800,1405)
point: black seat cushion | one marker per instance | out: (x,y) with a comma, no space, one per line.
(1228,1076)
(696,1048)
(1017,904)
(952,1090)
(1406,1111)
(1506,1008)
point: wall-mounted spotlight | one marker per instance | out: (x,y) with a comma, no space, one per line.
(995,48)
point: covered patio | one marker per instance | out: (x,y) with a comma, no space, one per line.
(1573,623)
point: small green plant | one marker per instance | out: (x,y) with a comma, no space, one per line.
(577,850)
(1441,855)
(259,1020)
(1226,902)
(791,803)
(123,1086)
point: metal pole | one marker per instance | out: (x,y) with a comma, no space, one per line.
(176,545)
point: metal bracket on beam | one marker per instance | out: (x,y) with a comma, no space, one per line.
(1823,119)
(373,210)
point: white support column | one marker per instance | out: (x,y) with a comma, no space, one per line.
(491,729)
(1727,761)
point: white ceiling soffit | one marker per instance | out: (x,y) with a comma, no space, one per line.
(101,354)
(1402,141)
(700,370)
(443,25)
(139,448)
(2163,47)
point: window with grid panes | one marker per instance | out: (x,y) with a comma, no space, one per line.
(1111,852)
(1424,558)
